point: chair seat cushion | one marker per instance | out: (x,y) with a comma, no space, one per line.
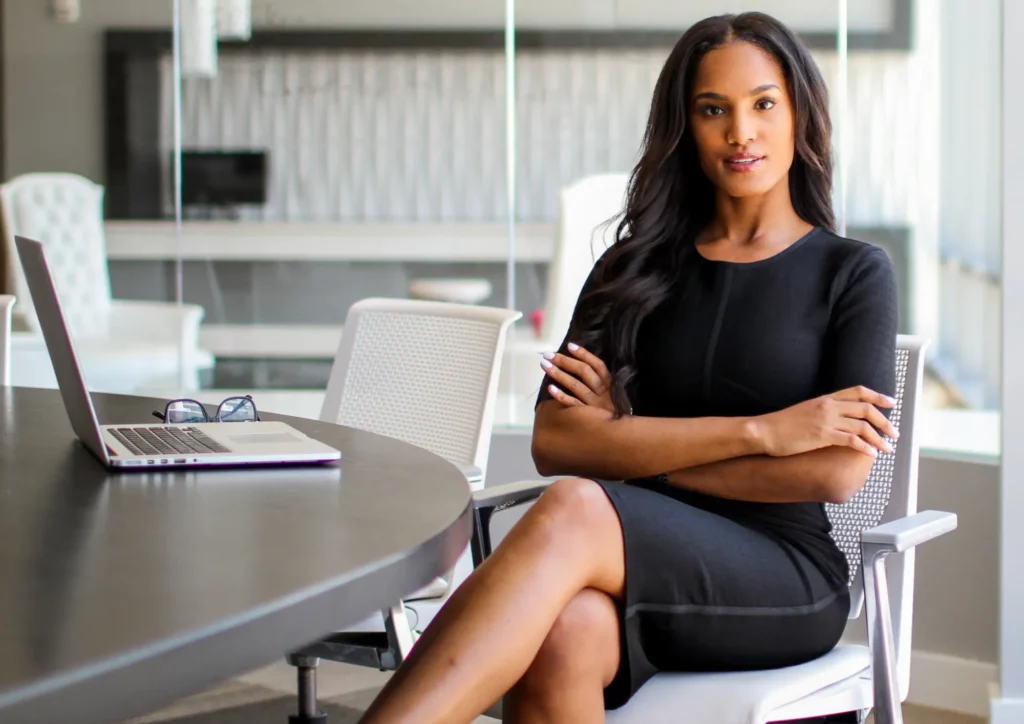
(746,697)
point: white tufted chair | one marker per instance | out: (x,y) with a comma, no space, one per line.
(124,345)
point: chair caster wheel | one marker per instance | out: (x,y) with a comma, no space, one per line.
(318,718)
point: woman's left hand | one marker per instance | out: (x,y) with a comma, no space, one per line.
(584,379)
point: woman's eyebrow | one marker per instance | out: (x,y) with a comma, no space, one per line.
(719,97)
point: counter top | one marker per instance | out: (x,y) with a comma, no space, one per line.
(328,241)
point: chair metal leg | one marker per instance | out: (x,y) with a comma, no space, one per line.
(400,634)
(308,712)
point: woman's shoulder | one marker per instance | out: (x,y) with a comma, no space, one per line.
(855,268)
(842,259)
(847,249)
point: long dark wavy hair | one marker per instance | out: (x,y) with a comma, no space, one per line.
(670,200)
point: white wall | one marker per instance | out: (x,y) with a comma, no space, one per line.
(412,136)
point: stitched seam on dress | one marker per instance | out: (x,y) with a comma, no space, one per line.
(715,330)
(733,610)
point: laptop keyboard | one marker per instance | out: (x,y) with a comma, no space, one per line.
(166,440)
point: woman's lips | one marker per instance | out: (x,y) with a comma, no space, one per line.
(743,164)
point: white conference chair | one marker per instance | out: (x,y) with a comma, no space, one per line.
(425,373)
(6,306)
(124,345)
(582,237)
(877,530)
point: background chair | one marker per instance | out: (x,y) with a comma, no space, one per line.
(426,373)
(124,345)
(6,305)
(583,208)
(877,530)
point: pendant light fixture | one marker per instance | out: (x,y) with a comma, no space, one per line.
(199,38)
(234,19)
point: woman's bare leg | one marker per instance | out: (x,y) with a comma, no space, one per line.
(487,635)
(579,658)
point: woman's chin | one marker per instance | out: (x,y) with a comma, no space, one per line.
(745,188)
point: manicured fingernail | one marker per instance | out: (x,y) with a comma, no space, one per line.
(573,346)
(545,364)
(554,390)
(895,434)
(890,400)
(548,355)
(874,453)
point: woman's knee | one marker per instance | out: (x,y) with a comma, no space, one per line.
(584,641)
(576,521)
(572,501)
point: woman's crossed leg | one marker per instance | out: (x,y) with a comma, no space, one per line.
(538,617)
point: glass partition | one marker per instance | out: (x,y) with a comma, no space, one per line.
(334,151)
(585,76)
(914,90)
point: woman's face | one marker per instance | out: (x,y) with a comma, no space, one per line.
(742,120)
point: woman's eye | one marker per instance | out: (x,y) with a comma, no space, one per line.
(765,104)
(712,110)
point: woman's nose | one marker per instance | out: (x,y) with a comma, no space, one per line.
(741,130)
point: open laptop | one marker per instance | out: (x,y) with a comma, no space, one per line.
(151,446)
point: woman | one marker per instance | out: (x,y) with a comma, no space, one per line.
(730,360)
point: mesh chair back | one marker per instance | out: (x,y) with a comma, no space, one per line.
(866,508)
(422,372)
(65,212)
(6,304)
(890,493)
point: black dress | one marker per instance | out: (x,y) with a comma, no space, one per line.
(715,584)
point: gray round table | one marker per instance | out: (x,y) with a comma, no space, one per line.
(120,592)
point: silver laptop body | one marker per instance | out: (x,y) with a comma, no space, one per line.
(212,443)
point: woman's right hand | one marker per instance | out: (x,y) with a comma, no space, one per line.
(847,418)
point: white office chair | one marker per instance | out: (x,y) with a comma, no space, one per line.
(877,530)
(124,345)
(6,305)
(582,236)
(425,373)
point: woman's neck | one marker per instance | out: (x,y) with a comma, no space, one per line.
(768,219)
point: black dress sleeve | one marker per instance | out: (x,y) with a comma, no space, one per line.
(544,395)
(860,344)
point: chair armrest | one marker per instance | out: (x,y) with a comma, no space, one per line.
(876,544)
(905,533)
(488,501)
(509,494)
(474,475)
(165,321)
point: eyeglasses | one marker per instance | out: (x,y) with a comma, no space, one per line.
(233,409)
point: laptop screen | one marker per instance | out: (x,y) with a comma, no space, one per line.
(76,397)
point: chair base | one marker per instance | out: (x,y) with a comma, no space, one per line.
(318,718)
(370,649)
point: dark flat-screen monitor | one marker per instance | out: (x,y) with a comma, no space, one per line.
(223,178)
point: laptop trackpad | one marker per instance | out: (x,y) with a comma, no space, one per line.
(263,438)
